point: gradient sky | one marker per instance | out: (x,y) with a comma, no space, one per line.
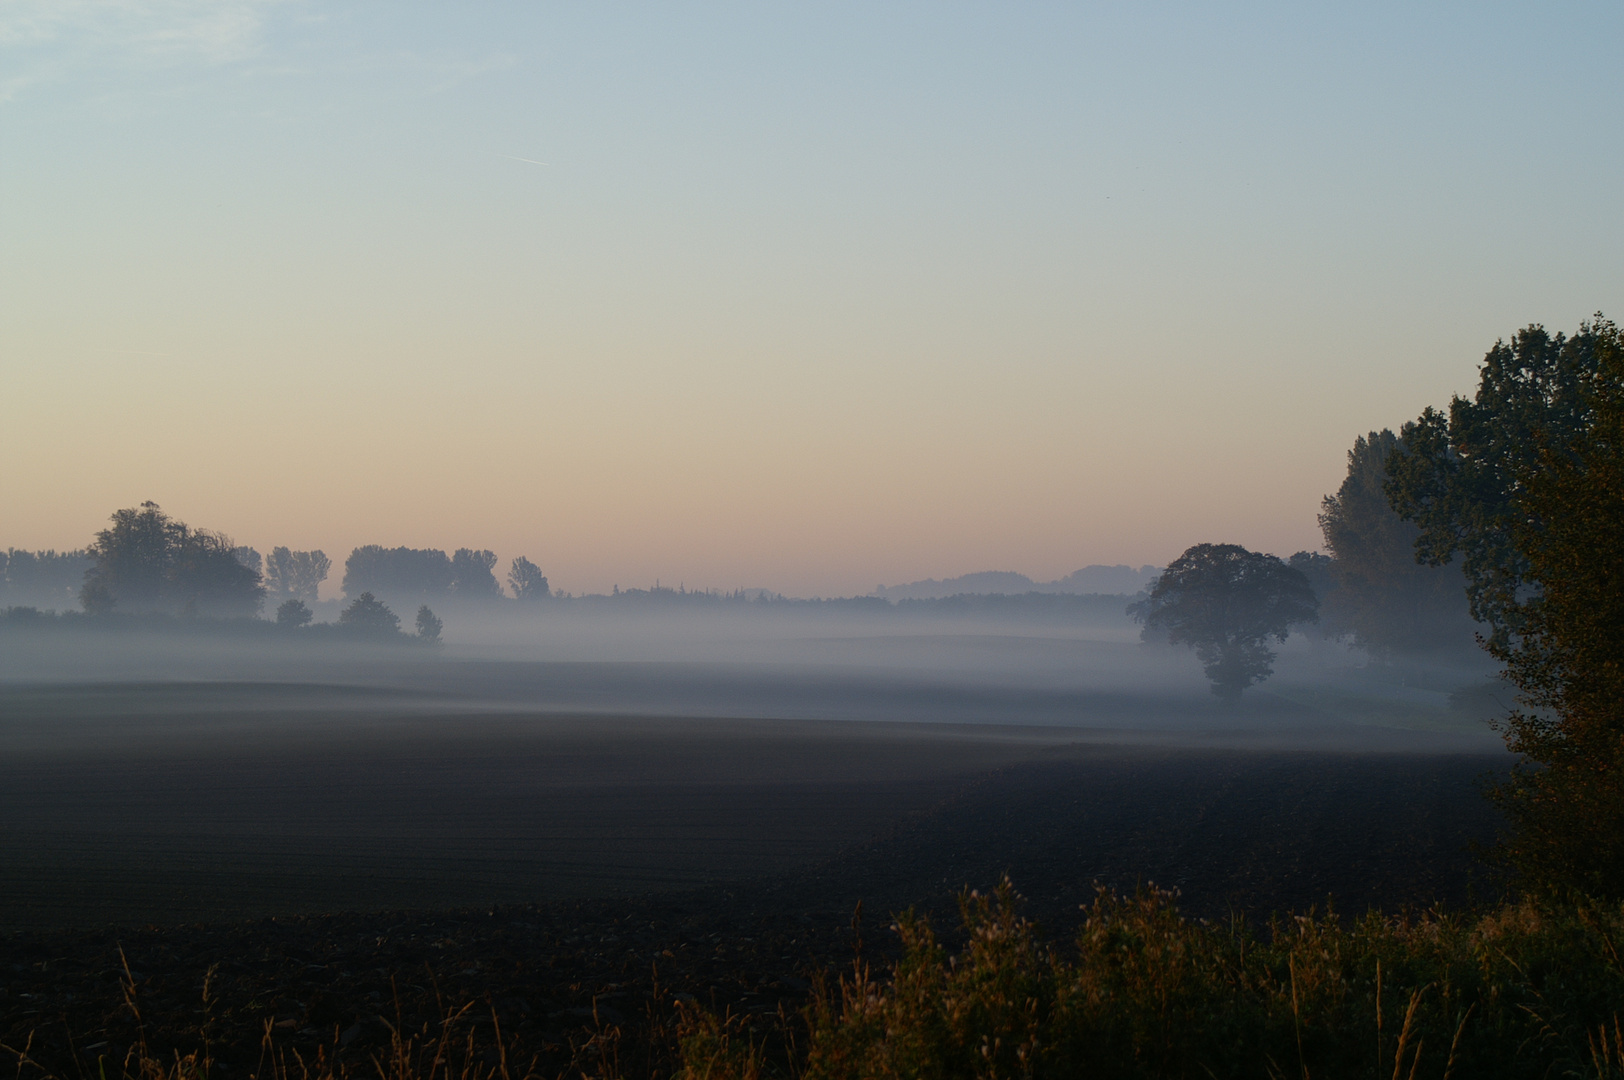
(804,297)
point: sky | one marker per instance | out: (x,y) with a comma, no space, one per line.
(801,297)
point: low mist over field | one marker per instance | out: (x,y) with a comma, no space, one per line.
(1040,656)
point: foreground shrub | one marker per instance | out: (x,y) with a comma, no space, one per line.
(1525,991)
(1532,989)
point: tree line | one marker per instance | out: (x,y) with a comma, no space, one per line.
(466,574)
(43,579)
(147,563)
(1503,515)
(1229,604)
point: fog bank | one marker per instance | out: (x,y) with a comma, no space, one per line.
(983,665)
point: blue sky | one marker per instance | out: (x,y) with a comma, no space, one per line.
(801,297)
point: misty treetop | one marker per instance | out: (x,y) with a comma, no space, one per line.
(369,616)
(526,580)
(1373,588)
(1458,474)
(296,575)
(251,558)
(148,568)
(146,561)
(292,614)
(416,574)
(471,576)
(400,571)
(365,620)
(42,579)
(1226,603)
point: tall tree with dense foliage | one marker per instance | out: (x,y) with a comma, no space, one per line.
(1567,657)
(1459,475)
(1526,483)
(147,561)
(1226,603)
(1393,605)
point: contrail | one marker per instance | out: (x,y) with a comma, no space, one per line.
(528,161)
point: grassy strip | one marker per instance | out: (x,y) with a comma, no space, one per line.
(1523,990)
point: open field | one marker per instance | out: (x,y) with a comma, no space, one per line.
(134,804)
(448,811)
(557,860)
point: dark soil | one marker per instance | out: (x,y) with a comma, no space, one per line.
(579,976)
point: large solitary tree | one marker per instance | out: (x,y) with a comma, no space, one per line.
(1226,603)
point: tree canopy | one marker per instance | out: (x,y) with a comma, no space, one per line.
(397,572)
(1391,603)
(526,580)
(296,574)
(367,616)
(1567,653)
(1226,603)
(1525,482)
(471,577)
(1460,474)
(418,574)
(147,561)
(292,614)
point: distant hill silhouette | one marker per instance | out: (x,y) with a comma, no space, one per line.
(1122,580)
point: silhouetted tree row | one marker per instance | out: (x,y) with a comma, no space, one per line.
(43,579)
(147,566)
(416,574)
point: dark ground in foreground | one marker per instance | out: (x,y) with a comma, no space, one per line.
(777,853)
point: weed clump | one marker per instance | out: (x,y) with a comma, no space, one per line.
(1525,991)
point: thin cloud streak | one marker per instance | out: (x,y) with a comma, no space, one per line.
(43,42)
(213,31)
